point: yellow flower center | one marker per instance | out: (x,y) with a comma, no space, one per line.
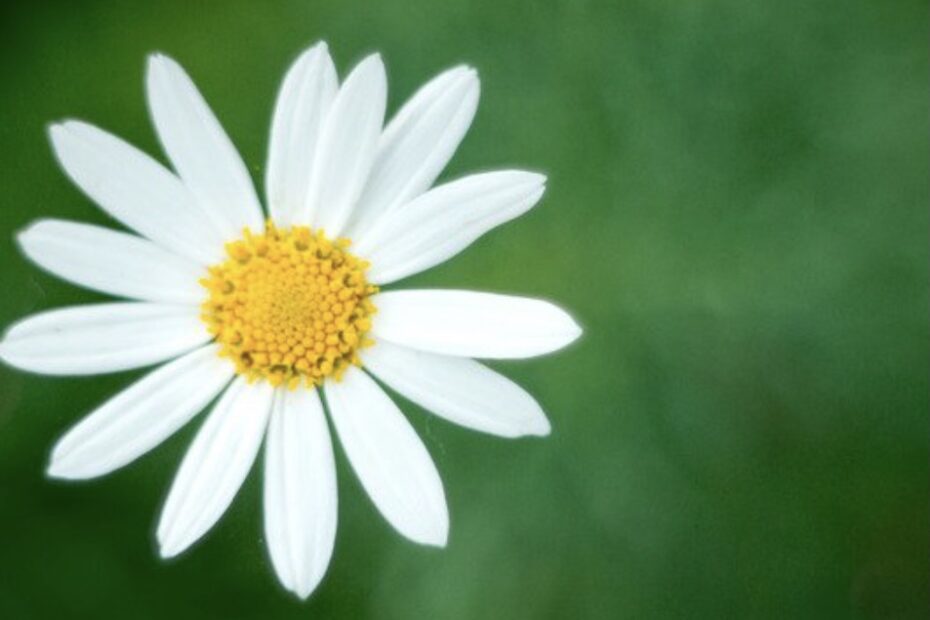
(289,306)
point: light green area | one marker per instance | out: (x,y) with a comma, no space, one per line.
(737,214)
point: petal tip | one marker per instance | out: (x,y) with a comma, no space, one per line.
(469,73)
(373,62)
(159,61)
(437,534)
(59,133)
(60,129)
(304,591)
(313,53)
(55,471)
(24,235)
(573,332)
(168,549)
(59,468)
(540,426)
(538,179)
(55,129)
(161,537)
(442,538)
(438,539)
(576,331)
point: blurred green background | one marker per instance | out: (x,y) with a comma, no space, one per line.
(737,213)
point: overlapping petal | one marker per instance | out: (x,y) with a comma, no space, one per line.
(389,458)
(301,109)
(347,148)
(444,221)
(136,190)
(458,389)
(140,417)
(200,150)
(417,144)
(215,465)
(300,491)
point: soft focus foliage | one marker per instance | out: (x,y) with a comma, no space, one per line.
(737,214)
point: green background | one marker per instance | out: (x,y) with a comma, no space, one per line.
(737,214)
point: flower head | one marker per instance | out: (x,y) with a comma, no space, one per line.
(266,311)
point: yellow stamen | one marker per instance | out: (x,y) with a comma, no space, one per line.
(289,306)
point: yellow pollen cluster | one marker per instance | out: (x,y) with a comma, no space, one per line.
(289,306)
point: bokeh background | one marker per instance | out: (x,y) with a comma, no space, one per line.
(737,214)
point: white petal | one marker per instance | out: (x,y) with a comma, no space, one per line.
(389,458)
(141,416)
(200,150)
(215,465)
(347,147)
(417,144)
(300,491)
(306,95)
(136,190)
(458,389)
(472,324)
(444,221)
(112,262)
(99,338)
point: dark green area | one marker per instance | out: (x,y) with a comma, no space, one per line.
(737,214)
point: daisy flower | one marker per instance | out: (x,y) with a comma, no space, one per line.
(273,313)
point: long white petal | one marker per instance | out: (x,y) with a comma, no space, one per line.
(444,221)
(458,389)
(306,95)
(389,459)
(136,190)
(99,338)
(200,150)
(141,416)
(111,262)
(215,465)
(300,491)
(347,147)
(417,144)
(472,324)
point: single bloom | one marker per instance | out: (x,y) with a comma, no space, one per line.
(270,313)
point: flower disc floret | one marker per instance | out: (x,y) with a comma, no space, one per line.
(289,306)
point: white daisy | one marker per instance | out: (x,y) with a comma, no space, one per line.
(269,312)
